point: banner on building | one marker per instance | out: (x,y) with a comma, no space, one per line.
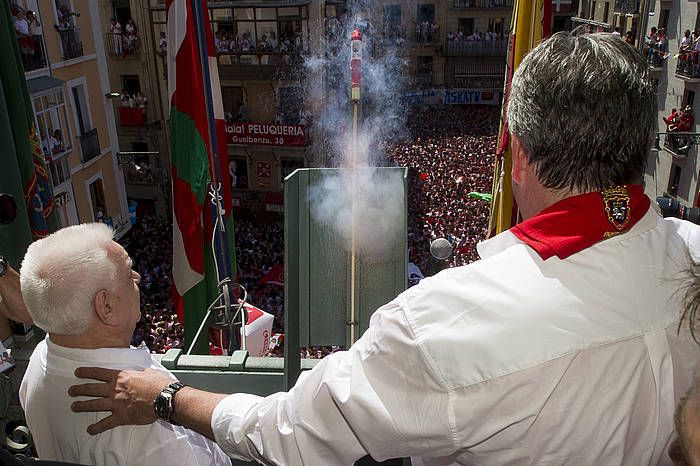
(472,96)
(460,96)
(266,134)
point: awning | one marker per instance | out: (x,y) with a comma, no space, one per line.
(43,83)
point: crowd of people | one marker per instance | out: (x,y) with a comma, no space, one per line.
(488,36)
(288,45)
(656,46)
(149,244)
(426,31)
(451,155)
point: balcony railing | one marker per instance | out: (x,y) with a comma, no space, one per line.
(627,7)
(687,66)
(32,50)
(654,56)
(480,47)
(90,145)
(122,45)
(426,33)
(483,3)
(70,40)
(678,144)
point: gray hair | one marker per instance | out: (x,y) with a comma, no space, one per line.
(62,273)
(584,108)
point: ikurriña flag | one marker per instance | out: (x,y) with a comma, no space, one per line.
(194,273)
(24,173)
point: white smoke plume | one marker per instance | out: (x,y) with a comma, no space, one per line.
(382,117)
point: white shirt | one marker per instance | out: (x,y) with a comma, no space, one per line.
(510,360)
(61,435)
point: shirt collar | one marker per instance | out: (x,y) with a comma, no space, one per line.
(573,224)
(578,222)
(128,357)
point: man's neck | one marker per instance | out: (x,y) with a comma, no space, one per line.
(89,340)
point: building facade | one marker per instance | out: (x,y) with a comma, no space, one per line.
(135,59)
(65,68)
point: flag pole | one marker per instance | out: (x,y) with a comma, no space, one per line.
(222,255)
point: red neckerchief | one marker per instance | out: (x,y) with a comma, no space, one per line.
(578,222)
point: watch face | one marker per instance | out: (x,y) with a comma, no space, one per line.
(161,406)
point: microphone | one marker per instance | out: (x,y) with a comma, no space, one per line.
(441,249)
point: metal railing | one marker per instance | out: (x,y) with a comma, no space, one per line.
(122,45)
(32,51)
(482,3)
(687,65)
(259,58)
(71,44)
(480,47)
(625,7)
(655,57)
(90,145)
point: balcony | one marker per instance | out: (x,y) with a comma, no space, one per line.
(476,48)
(429,35)
(72,46)
(459,4)
(627,7)
(687,67)
(141,168)
(122,45)
(90,145)
(655,58)
(32,50)
(678,145)
(257,65)
(132,117)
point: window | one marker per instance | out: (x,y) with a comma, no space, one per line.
(121,11)
(606,12)
(52,123)
(60,171)
(663,18)
(592,15)
(131,83)
(426,12)
(238,170)
(290,102)
(82,109)
(688,98)
(674,180)
(97,197)
(496,25)
(466,26)
(232,97)
(424,70)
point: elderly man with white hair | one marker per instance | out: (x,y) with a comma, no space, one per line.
(79,285)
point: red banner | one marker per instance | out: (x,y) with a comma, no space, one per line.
(268,134)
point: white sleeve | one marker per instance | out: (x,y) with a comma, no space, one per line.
(348,406)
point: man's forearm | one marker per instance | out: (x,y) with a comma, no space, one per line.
(12,305)
(194,409)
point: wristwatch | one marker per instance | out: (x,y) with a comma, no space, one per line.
(3,266)
(164,404)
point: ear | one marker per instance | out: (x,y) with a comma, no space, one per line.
(104,310)
(520,164)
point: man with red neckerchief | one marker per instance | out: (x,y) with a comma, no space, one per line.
(562,345)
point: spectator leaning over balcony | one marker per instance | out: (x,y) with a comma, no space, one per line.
(163,44)
(616,33)
(34,24)
(131,36)
(672,118)
(115,29)
(629,37)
